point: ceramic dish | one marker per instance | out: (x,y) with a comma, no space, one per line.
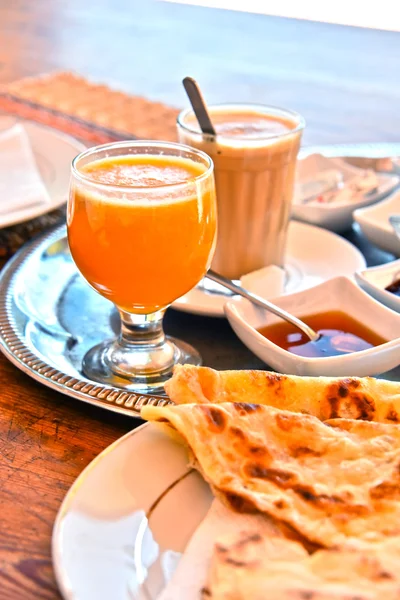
(375,279)
(374,223)
(313,255)
(336,216)
(53,152)
(340,294)
(127,518)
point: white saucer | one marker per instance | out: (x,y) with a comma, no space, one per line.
(53,152)
(313,255)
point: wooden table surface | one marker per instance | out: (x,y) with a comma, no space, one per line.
(342,79)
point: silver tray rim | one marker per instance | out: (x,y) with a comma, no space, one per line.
(14,347)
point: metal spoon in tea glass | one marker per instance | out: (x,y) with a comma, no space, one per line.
(258,301)
(199,106)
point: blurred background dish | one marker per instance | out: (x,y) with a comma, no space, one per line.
(329,190)
(375,225)
(377,280)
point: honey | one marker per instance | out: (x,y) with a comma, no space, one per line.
(339,334)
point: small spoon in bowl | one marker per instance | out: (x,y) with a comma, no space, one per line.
(258,301)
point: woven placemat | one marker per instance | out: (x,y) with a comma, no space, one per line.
(91,112)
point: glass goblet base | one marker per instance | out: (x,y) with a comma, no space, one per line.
(140,370)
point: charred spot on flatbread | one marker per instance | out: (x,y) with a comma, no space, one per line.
(274,378)
(392,415)
(215,416)
(258,451)
(386,490)
(280,504)
(287,421)
(239,503)
(244,408)
(299,451)
(275,382)
(260,471)
(344,399)
(238,433)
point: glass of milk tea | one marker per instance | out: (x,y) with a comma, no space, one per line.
(254,153)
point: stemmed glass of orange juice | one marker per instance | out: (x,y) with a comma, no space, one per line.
(141,229)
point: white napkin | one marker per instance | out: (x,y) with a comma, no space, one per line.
(192,571)
(21,185)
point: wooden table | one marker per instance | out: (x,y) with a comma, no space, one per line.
(342,79)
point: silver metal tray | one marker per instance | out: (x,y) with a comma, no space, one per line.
(49,318)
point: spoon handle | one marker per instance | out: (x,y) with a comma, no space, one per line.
(199,106)
(258,301)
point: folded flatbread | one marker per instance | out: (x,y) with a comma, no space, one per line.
(328,481)
(248,565)
(324,397)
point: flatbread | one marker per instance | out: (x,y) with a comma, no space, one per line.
(329,482)
(248,565)
(324,397)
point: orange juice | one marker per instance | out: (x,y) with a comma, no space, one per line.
(144,250)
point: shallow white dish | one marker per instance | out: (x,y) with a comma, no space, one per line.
(313,255)
(374,223)
(340,294)
(375,279)
(53,152)
(103,545)
(336,216)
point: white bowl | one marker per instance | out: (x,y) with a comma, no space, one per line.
(340,294)
(374,223)
(336,216)
(375,279)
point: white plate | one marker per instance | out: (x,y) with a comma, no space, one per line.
(313,255)
(376,279)
(374,223)
(53,152)
(336,216)
(104,547)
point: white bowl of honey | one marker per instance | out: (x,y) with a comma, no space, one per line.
(358,335)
